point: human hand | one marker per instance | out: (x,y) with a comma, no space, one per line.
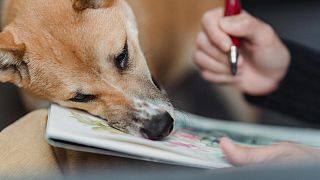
(285,152)
(263,60)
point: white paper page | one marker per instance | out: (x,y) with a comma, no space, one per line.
(77,127)
(193,143)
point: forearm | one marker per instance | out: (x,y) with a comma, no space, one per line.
(298,94)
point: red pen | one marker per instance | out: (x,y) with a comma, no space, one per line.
(233,7)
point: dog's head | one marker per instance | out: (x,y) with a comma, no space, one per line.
(85,54)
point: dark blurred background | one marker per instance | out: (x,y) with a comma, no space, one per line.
(294,20)
(297,20)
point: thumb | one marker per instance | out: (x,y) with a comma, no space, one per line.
(246,26)
(241,156)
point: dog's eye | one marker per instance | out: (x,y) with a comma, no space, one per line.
(122,59)
(83,98)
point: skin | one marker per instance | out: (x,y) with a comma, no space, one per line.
(56,49)
(280,153)
(263,63)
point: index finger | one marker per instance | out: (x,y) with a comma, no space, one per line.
(217,36)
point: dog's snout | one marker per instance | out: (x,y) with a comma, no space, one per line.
(159,127)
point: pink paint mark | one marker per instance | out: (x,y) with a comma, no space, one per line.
(182,144)
(189,136)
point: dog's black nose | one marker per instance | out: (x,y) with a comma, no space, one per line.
(159,127)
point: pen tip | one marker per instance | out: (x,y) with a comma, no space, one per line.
(234,60)
(234,69)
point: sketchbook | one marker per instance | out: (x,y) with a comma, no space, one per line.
(194,141)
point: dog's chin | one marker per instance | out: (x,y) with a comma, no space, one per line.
(139,131)
(153,127)
(132,130)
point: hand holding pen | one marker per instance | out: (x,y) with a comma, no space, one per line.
(263,59)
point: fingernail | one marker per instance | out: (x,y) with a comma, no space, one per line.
(227,45)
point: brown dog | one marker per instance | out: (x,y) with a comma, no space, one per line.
(85,54)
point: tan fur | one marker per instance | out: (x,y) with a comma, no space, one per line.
(67,46)
(68,51)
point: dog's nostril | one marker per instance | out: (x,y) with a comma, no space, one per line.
(159,127)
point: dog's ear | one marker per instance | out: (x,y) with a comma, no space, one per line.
(80,5)
(12,67)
